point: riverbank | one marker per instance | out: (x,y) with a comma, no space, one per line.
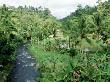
(52,65)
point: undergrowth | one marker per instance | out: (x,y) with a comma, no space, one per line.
(83,67)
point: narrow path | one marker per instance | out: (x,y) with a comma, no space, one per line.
(24,70)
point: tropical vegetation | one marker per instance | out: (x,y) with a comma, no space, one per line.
(73,49)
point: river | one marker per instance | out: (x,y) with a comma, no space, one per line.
(24,67)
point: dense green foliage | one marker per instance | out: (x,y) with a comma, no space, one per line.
(73,49)
(52,64)
(89,33)
(19,25)
(89,21)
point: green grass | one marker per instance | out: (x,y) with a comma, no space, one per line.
(54,66)
(57,67)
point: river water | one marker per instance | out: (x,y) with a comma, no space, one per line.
(24,68)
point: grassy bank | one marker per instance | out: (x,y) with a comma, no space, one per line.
(54,66)
(82,67)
